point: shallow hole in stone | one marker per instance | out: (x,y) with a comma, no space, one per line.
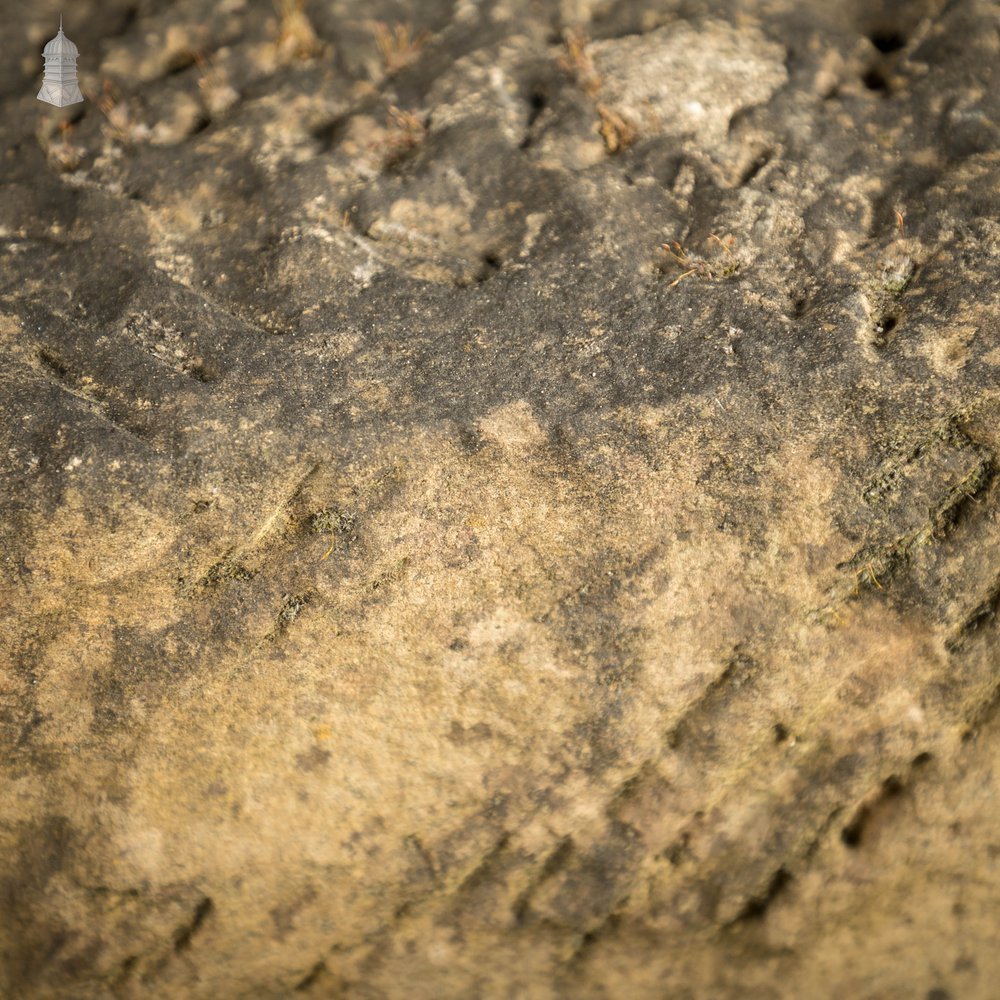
(875,81)
(179,62)
(491,263)
(852,833)
(938,994)
(753,168)
(537,102)
(887,40)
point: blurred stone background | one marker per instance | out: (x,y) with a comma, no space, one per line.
(499,500)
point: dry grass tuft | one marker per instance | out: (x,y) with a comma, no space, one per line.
(398,45)
(618,133)
(120,124)
(576,61)
(217,94)
(297,38)
(718,263)
(404,132)
(64,155)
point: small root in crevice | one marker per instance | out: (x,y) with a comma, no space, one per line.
(333,522)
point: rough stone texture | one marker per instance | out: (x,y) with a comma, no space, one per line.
(417,582)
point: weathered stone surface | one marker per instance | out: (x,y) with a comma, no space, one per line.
(418,582)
